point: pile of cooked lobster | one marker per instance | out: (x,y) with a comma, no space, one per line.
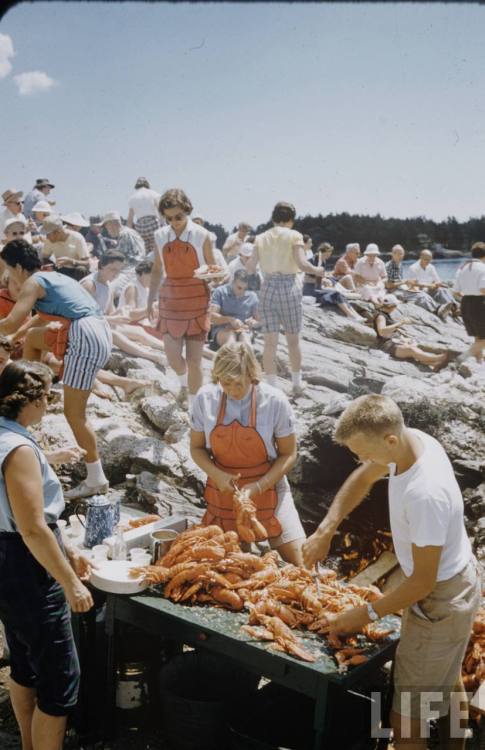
(205,565)
(474,661)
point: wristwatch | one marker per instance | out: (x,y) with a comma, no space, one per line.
(372,613)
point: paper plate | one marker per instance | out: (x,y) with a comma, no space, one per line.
(113,576)
(209,276)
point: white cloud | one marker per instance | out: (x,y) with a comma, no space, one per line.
(6,52)
(33,82)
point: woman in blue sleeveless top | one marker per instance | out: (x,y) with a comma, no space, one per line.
(39,579)
(88,349)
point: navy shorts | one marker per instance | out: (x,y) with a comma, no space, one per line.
(37,622)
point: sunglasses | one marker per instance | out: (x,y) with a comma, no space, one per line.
(17,234)
(15,203)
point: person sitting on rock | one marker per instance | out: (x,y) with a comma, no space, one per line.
(423,275)
(470,285)
(401,347)
(369,275)
(130,339)
(239,264)
(234,312)
(395,283)
(322,288)
(67,249)
(345,265)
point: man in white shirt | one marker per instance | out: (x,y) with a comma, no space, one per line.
(143,212)
(68,249)
(233,243)
(423,275)
(441,590)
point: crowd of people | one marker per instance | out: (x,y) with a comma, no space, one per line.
(158,287)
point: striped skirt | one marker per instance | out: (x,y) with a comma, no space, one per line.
(146,226)
(88,350)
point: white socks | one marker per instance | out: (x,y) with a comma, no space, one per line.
(271,380)
(296,378)
(95,475)
(184,379)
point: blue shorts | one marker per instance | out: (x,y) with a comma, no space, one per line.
(37,622)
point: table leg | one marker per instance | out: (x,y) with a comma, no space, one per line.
(110,628)
(383,742)
(320,715)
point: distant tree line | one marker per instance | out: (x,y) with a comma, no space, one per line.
(413,233)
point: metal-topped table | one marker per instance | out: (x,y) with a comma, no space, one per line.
(218,630)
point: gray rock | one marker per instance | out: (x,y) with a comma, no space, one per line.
(164,414)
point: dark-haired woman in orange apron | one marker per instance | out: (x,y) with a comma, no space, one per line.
(181,247)
(243,434)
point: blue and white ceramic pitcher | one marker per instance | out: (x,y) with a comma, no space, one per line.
(100,520)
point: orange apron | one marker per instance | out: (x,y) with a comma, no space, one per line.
(240,450)
(184,301)
(56,341)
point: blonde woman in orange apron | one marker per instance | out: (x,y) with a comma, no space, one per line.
(181,247)
(243,432)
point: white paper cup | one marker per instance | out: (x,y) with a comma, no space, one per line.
(100,552)
(142,559)
(137,551)
(61,523)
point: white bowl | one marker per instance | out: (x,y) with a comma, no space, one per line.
(113,576)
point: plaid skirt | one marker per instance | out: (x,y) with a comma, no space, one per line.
(146,226)
(280,304)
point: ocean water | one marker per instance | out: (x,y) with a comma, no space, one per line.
(446,268)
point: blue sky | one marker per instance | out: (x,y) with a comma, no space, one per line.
(359,108)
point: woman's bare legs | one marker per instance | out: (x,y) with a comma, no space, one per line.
(425,358)
(38,730)
(137,333)
(75,402)
(193,353)
(23,703)
(136,350)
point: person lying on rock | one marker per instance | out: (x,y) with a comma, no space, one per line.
(441,586)
(243,436)
(399,346)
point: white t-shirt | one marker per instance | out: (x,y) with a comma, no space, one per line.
(373,273)
(74,246)
(428,275)
(426,508)
(144,202)
(274,415)
(470,278)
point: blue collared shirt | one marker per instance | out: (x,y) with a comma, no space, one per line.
(12,436)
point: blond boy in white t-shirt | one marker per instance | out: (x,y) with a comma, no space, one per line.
(441,590)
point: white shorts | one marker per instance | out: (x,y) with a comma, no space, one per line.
(287,515)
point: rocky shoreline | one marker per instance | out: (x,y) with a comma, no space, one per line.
(144,440)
